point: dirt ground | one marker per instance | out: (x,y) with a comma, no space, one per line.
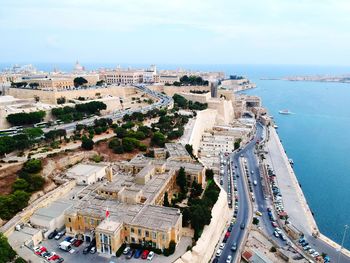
(8,175)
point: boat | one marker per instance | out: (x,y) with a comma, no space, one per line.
(286,112)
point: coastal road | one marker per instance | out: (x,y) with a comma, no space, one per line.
(261,201)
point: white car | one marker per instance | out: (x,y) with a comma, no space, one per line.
(150,255)
(126,250)
(222,245)
(316,254)
(218,252)
(229,259)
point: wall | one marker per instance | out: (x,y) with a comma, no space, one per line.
(204,249)
(51,96)
(171,90)
(205,120)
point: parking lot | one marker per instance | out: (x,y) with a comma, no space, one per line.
(76,254)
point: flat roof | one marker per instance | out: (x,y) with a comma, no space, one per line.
(85,169)
(53,210)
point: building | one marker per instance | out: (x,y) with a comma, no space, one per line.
(133,195)
(51,217)
(86,174)
(124,77)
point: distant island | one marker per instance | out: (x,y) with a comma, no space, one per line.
(320,78)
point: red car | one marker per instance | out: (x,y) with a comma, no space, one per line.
(77,243)
(144,254)
(273,223)
(40,250)
(54,257)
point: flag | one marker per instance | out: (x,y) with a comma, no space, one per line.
(107,213)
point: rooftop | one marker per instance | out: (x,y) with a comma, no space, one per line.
(85,169)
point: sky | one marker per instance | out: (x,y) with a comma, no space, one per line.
(312,32)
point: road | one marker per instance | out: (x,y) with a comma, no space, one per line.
(261,202)
(163,101)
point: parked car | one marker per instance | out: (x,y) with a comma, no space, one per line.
(276,234)
(54,257)
(218,252)
(77,243)
(138,253)
(59,235)
(93,250)
(150,255)
(274,224)
(144,254)
(234,246)
(130,254)
(126,250)
(40,250)
(242,226)
(86,250)
(222,245)
(229,259)
(52,234)
(50,255)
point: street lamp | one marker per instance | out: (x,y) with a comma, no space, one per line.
(342,242)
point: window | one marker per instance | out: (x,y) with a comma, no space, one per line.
(139,232)
(132,230)
(154,235)
(69,219)
(164,237)
(147,233)
(70,229)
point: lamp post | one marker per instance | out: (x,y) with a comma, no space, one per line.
(342,242)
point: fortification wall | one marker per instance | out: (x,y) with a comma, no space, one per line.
(205,120)
(204,249)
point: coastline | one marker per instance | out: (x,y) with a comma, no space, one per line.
(296,205)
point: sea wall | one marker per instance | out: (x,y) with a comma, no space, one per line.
(204,249)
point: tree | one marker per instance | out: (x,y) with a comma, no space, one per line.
(181,180)
(158,139)
(87,143)
(7,254)
(79,81)
(180,101)
(255,221)
(7,144)
(61,100)
(166,200)
(20,184)
(209,174)
(33,133)
(32,166)
(237,143)
(196,189)
(23,118)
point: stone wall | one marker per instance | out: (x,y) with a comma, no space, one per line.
(171,90)
(204,249)
(205,120)
(51,96)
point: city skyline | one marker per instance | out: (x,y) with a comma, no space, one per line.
(176,32)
